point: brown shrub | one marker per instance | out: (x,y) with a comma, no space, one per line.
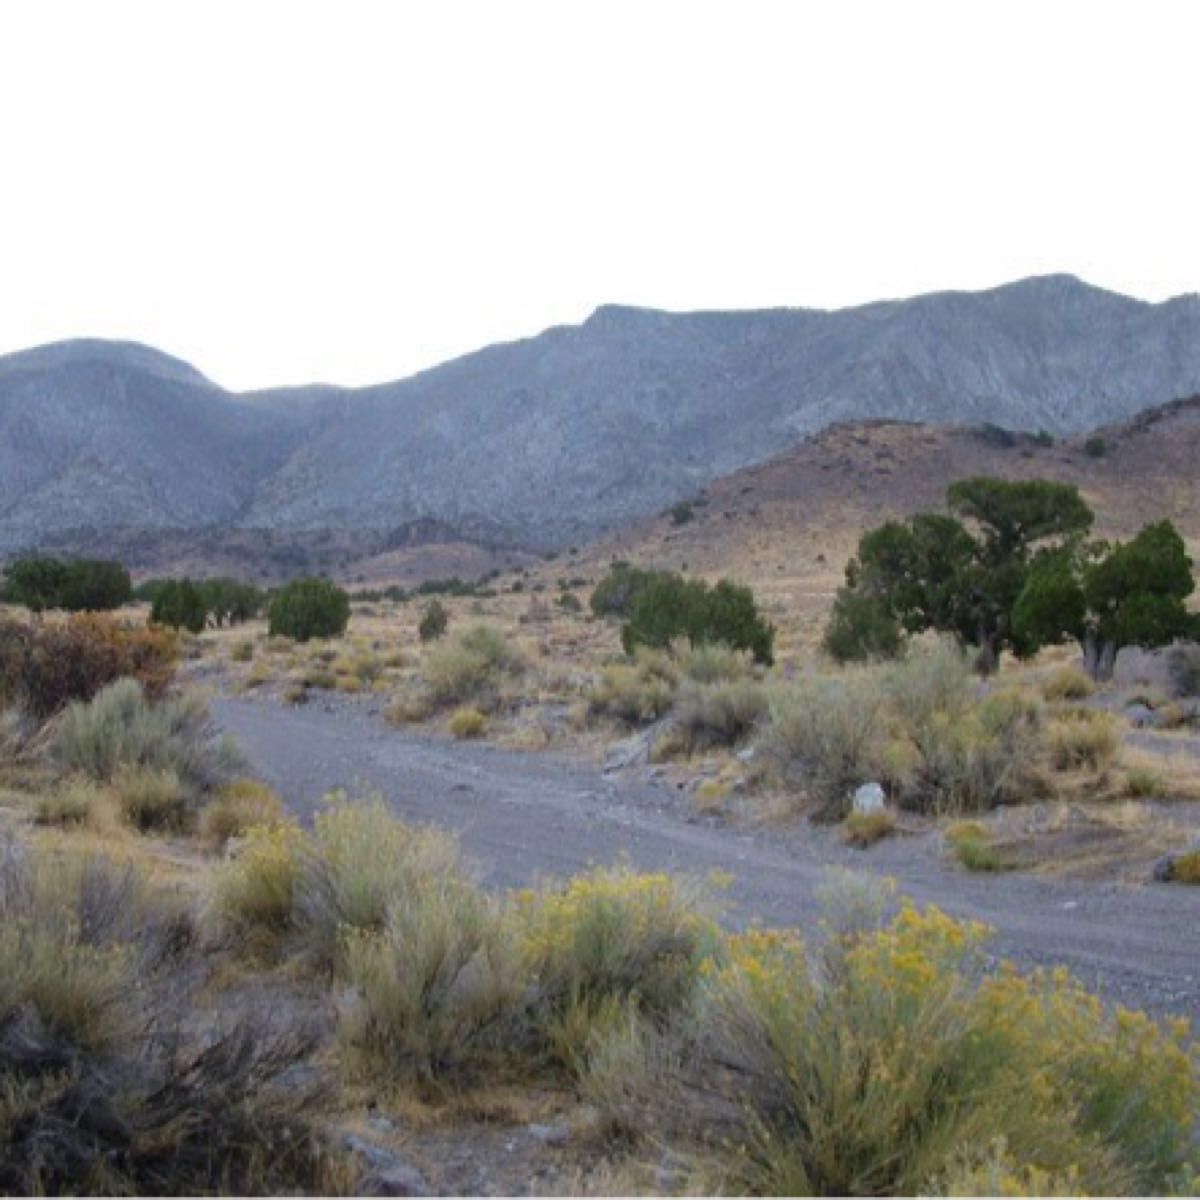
(45,667)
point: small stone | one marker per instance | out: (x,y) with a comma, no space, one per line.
(869,798)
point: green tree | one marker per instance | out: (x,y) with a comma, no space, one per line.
(1130,594)
(179,603)
(933,572)
(95,585)
(230,601)
(669,606)
(308,608)
(36,583)
(615,594)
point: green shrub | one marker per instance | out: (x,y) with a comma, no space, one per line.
(720,714)
(1096,447)
(77,585)
(308,608)
(973,847)
(471,667)
(668,606)
(828,737)
(121,730)
(434,621)
(1142,783)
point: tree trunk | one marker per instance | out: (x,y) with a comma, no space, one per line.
(1099,656)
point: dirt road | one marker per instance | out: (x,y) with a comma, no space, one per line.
(526,816)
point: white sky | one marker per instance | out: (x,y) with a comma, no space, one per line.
(288,192)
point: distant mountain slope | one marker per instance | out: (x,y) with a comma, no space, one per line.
(557,438)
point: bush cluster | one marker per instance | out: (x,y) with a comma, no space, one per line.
(76,585)
(45,667)
(308,608)
(471,668)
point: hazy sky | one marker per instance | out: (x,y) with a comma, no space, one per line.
(348,192)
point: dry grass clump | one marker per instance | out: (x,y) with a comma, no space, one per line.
(715,662)
(721,713)
(75,800)
(467,722)
(1141,783)
(471,667)
(1186,868)
(1082,738)
(153,797)
(863,829)
(637,692)
(1067,683)
(972,846)
(242,651)
(238,807)
(828,736)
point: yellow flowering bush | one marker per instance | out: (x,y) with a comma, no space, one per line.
(255,891)
(896,1065)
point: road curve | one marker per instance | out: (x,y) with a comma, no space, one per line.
(524,816)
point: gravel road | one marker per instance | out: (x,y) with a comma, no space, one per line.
(525,816)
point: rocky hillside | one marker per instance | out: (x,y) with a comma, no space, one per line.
(556,439)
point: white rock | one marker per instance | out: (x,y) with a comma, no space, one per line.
(869,798)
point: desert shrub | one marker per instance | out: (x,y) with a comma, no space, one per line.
(970,754)
(74,801)
(636,692)
(611,937)
(1086,738)
(890,1061)
(1095,447)
(827,736)
(467,722)
(44,668)
(242,651)
(438,988)
(972,846)
(1186,868)
(1068,683)
(714,662)
(308,608)
(78,585)
(319,677)
(121,730)
(360,862)
(471,667)
(239,807)
(434,621)
(1183,664)
(569,602)
(254,893)
(720,714)
(1141,783)
(863,829)
(152,797)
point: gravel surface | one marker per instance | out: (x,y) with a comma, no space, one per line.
(525,816)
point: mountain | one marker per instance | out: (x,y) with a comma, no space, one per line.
(558,438)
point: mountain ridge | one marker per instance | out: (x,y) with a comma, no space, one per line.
(568,434)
